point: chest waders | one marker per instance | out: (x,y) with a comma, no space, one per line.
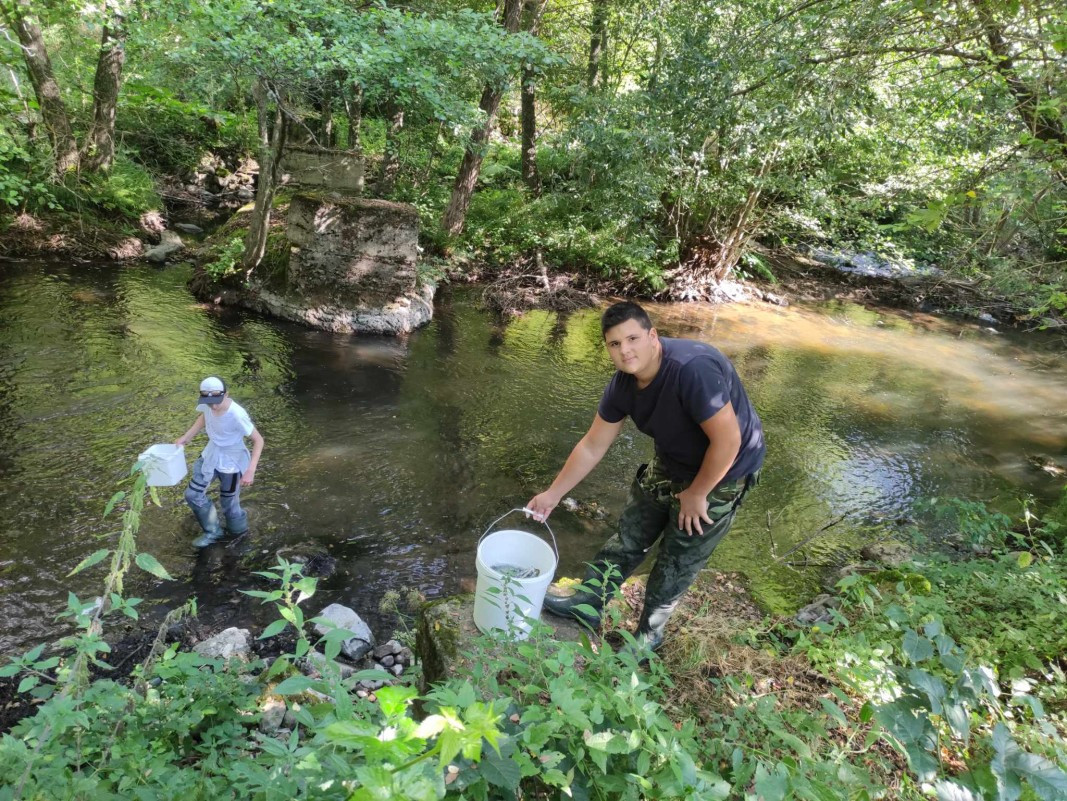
(651,515)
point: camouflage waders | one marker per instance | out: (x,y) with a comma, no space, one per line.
(652,512)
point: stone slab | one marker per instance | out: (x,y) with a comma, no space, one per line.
(339,170)
(446,628)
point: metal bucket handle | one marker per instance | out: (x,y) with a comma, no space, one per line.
(544,523)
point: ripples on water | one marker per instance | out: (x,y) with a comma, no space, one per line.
(394,455)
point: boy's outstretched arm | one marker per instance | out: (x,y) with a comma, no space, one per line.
(585,456)
(257,448)
(196,428)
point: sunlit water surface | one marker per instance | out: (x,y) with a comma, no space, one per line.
(394,456)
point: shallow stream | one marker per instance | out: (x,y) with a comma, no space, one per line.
(392,456)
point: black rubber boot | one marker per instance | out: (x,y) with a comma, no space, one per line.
(566,606)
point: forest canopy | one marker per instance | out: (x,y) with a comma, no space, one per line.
(659,145)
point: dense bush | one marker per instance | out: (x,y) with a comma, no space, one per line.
(170,135)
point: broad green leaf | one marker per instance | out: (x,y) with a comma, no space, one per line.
(89,561)
(150,564)
(1047,780)
(277,627)
(834,711)
(931,686)
(116,498)
(293,685)
(916,647)
(950,791)
(501,771)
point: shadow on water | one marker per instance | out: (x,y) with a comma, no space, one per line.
(392,455)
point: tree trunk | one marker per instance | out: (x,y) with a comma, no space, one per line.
(271,141)
(354,108)
(737,239)
(383,187)
(326,116)
(49,99)
(1042,125)
(535,8)
(598,43)
(455,215)
(100,142)
(529,133)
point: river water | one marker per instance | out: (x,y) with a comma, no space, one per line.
(393,456)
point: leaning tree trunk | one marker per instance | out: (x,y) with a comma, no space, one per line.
(326,138)
(271,141)
(99,149)
(455,215)
(390,166)
(49,99)
(1032,108)
(743,229)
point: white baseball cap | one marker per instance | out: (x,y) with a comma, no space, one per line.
(212,390)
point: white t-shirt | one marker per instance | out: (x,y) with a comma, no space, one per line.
(227,431)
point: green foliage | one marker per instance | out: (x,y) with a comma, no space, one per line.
(598,731)
(791,753)
(226,259)
(505,226)
(979,527)
(23,177)
(404,605)
(127,189)
(1006,615)
(171,135)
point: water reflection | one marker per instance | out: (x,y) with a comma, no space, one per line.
(392,456)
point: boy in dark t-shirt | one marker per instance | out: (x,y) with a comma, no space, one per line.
(709,449)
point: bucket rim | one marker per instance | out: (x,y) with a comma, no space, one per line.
(528,513)
(548,572)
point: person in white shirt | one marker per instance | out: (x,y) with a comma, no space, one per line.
(226,458)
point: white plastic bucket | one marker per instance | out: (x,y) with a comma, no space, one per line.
(165,465)
(509,604)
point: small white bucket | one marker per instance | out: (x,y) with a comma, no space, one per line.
(509,604)
(165,465)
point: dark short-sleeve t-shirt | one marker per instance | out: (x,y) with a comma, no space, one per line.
(694,382)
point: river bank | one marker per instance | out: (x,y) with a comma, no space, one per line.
(792,275)
(738,701)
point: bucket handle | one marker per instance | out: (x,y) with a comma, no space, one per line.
(544,523)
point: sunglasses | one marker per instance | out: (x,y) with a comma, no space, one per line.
(217,393)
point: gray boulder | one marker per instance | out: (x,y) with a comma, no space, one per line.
(233,643)
(316,663)
(271,716)
(888,553)
(818,611)
(362,641)
(170,243)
